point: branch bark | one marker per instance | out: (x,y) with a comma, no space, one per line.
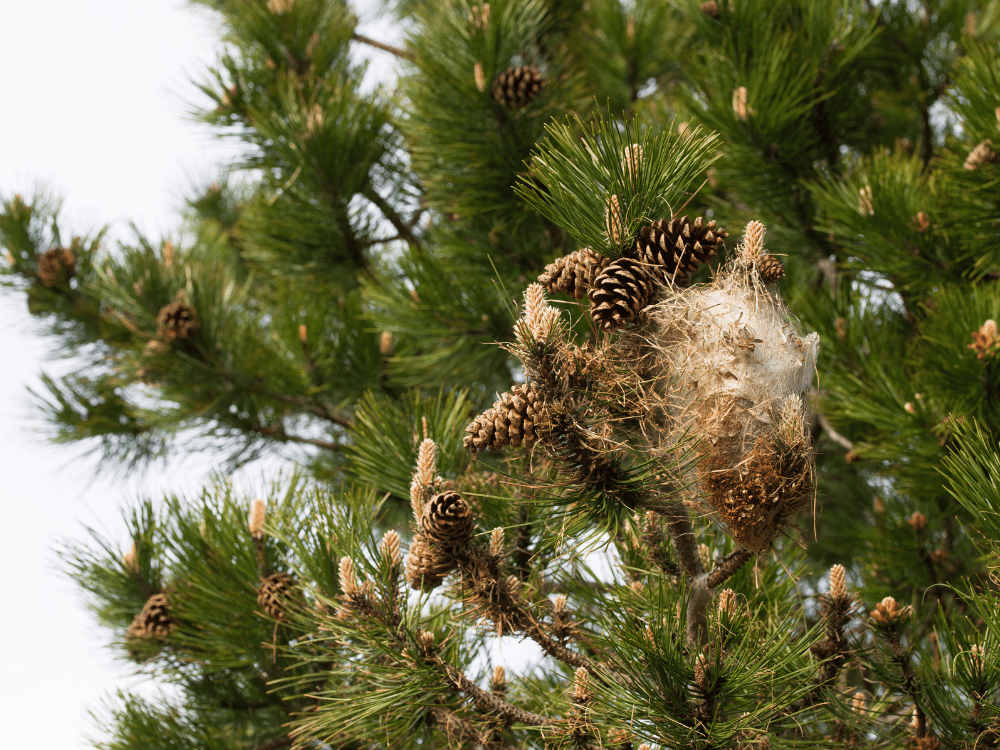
(397,51)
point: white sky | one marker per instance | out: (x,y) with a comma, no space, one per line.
(93,108)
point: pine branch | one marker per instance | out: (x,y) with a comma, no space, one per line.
(397,51)
(403,228)
(506,711)
(727,567)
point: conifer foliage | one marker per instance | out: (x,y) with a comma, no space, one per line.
(729,475)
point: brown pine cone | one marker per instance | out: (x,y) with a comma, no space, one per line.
(619,293)
(516,87)
(153,622)
(512,420)
(275,593)
(710,8)
(673,249)
(574,273)
(447,519)
(177,320)
(55,265)
(769,268)
(426,565)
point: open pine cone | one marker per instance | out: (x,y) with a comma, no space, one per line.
(619,293)
(512,420)
(447,519)
(154,622)
(674,249)
(516,87)
(426,565)
(177,320)
(574,273)
(55,265)
(274,593)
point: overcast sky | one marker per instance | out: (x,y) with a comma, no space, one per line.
(94,100)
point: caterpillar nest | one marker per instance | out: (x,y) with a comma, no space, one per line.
(737,370)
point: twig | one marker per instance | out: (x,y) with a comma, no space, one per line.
(834,435)
(727,567)
(498,706)
(397,51)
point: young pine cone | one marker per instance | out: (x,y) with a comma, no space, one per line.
(673,250)
(447,519)
(426,565)
(619,293)
(176,320)
(274,594)
(512,420)
(574,273)
(55,265)
(769,268)
(516,87)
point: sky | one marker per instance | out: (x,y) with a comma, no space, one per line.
(95,103)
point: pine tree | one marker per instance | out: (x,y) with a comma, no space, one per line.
(732,468)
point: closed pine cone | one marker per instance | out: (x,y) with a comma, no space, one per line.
(55,265)
(447,519)
(619,293)
(512,420)
(673,249)
(574,273)
(274,594)
(177,320)
(769,268)
(426,565)
(516,87)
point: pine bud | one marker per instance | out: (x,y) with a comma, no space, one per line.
(753,240)
(921,222)
(859,703)
(497,541)
(348,582)
(540,319)
(426,641)
(559,604)
(705,555)
(390,548)
(613,224)
(479,16)
(631,158)
(969,27)
(889,614)
(280,6)
(865,206)
(256,523)
(581,693)
(416,499)
(986,342)
(386,343)
(303,333)
(917,521)
(130,561)
(978,654)
(838,582)
(479,77)
(426,461)
(980,155)
(498,682)
(168,253)
(740,106)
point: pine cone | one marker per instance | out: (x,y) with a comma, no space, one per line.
(516,87)
(275,593)
(619,293)
(674,249)
(55,265)
(574,273)
(769,268)
(177,320)
(153,622)
(426,565)
(447,519)
(512,420)
(710,8)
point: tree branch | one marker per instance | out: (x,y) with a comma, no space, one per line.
(464,731)
(726,567)
(397,51)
